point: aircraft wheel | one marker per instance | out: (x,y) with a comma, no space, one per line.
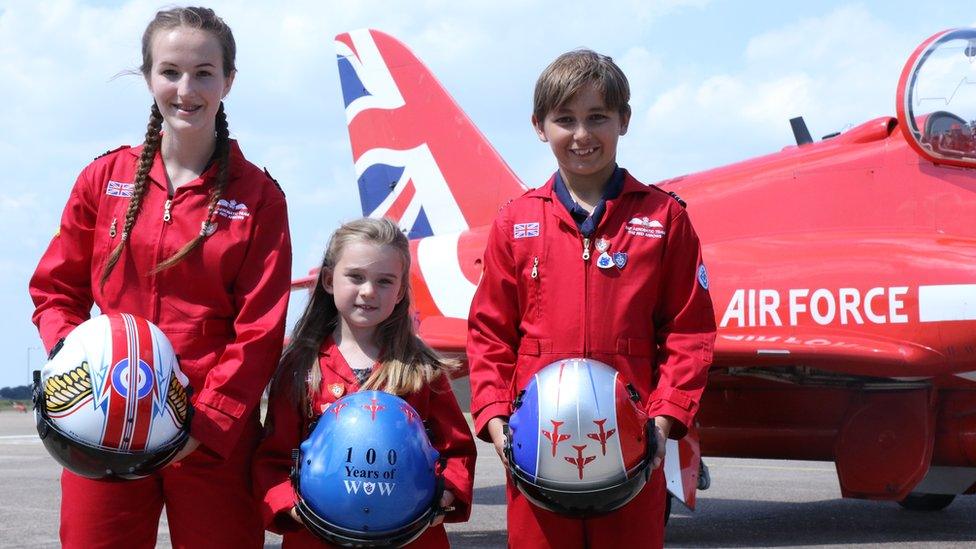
(926,502)
(667,507)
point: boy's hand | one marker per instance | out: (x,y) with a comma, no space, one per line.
(496,426)
(662,428)
(293,513)
(447,499)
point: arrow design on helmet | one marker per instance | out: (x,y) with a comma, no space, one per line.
(373,408)
(580,461)
(411,415)
(603,435)
(336,408)
(554,435)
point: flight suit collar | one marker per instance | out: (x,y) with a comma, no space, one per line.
(157,174)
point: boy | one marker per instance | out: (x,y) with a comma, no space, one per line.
(592,264)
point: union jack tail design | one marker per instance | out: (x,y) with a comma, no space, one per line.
(419,159)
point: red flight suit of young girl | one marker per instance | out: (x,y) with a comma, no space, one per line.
(288,427)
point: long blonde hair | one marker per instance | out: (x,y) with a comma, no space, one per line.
(406,362)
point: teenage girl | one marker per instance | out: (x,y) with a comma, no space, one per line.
(183,231)
(357,333)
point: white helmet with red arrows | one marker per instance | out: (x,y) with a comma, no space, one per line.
(577,443)
(112,401)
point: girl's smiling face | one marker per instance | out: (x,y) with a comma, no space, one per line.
(187,78)
(366,284)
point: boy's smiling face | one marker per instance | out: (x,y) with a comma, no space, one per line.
(583,134)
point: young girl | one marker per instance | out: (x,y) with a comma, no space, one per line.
(357,333)
(186,233)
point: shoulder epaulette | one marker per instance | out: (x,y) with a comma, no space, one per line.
(675,196)
(672,194)
(106,153)
(273,180)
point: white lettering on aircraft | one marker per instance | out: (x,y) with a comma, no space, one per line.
(768,307)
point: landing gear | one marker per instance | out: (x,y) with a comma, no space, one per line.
(926,502)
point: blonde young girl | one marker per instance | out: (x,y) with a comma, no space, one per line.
(357,333)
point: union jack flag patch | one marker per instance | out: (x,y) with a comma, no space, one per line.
(122,190)
(526,230)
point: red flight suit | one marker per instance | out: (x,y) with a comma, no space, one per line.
(222,307)
(287,427)
(651,319)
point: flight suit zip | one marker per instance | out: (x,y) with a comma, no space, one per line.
(160,256)
(586,302)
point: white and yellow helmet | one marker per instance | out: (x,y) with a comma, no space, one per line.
(112,401)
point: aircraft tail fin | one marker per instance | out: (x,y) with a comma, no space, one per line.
(419,159)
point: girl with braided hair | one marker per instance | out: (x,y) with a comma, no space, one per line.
(183,231)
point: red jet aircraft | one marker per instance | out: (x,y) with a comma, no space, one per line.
(843,271)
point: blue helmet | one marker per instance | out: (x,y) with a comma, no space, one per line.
(366,476)
(577,443)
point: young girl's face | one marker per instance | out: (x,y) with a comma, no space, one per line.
(187,78)
(367,283)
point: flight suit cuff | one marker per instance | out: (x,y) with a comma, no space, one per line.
(278,504)
(676,404)
(482,416)
(217,422)
(462,504)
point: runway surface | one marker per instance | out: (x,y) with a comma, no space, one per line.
(752,503)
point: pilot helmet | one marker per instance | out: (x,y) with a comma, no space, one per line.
(112,403)
(367,474)
(577,443)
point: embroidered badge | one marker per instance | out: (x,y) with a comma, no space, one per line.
(703,276)
(526,230)
(646,227)
(121,190)
(232,209)
(337,389)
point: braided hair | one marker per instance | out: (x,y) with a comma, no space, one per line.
(203,19)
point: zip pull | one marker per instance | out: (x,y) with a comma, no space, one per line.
(586,249)
(111,229)
(166,215)
(535,267)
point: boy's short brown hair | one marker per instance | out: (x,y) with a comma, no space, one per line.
(570,72)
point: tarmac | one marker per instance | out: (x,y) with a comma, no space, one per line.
(751,503)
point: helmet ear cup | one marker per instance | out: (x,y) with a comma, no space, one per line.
(112,403)
(578,443)
(367,474)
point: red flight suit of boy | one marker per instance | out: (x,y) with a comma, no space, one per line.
(649,316)
(222,307)
(288,427)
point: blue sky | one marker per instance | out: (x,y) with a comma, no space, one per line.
(713,82)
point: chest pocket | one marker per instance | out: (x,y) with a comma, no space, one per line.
(529,251)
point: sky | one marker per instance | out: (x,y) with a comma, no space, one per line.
(713,82)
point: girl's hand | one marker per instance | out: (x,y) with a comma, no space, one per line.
(662,428)
(496,430)
(293,513)
(447,499)
(191,445)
